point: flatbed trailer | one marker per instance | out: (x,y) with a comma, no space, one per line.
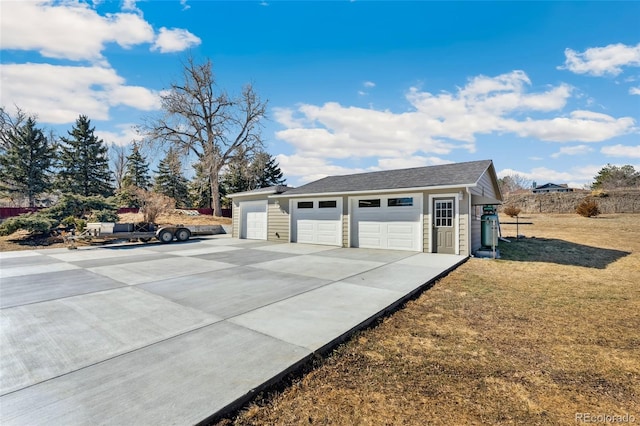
(140,231)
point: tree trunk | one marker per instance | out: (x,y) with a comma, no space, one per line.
(215,194)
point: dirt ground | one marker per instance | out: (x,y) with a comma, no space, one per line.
(546,334)
(21,240)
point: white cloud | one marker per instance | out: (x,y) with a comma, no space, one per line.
(174,40)
(438,124)
(599,61)
(124,136)
(405,163)
(68,30)
(369,84)
(582,126)
(309,169)
(573,150)
(91,90)
(74,30)
(575,177)
(621,151)
(634,90)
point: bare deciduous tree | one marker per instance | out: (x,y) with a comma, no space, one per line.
(514,182)
(118,156)
(10,123)
(201,119)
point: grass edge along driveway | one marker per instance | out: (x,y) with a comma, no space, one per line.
(550,334)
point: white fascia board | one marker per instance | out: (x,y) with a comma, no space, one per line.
(373,191)
(250,194)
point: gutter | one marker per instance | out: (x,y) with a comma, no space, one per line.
(373,191)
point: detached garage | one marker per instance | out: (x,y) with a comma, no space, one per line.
(433,209)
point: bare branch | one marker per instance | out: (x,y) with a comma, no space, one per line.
(203,120)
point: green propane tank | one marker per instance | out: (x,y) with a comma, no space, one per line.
(489,227)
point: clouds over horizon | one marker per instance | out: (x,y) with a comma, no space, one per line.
(74,31)
(437,124)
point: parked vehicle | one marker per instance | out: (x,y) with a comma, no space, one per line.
(141,231)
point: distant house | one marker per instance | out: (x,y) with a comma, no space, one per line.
(551,187)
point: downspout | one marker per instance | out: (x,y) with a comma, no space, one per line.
(470,230)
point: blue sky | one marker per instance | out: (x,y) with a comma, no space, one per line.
(548,90)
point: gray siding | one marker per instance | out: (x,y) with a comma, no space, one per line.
(463,217)
(278,220)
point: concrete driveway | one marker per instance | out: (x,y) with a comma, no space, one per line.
(172,334)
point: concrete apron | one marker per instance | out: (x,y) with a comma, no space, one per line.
(181,333)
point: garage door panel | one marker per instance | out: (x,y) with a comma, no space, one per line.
(401,229)
(318,225)
(254,220)
(384,227)
(369,242)
(369,227)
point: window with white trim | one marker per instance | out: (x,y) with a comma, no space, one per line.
(400,202)
(331,204)
(369,203)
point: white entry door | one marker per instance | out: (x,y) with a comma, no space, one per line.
(391,222)
(317,221)
(253,224)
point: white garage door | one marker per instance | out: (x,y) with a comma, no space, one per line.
(253,224)
(317,221)
(387,222)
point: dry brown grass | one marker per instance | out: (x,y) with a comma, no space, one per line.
(550,330)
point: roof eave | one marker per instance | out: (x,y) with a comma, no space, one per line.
(373,191)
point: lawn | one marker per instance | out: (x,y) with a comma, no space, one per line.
(547,333)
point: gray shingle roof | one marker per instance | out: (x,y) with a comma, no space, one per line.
(420,177)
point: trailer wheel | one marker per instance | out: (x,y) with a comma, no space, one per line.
(165,236)
(183,234)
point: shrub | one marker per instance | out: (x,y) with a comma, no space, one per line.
(511,211)
(76,222)
(32,222)
(154,204)
(70,209)
(78,206)
(104,216)
(588,208)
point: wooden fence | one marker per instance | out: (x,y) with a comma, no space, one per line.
(6,212)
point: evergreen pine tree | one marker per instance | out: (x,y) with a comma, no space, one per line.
(236,177)
(169,180)
(199,188)
(25,163)
(265,171)
(137,170)
(84,162)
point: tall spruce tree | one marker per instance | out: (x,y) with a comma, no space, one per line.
(265,171)
(170,181)
(84,164)
(137,170)
(236,177)
(199,188)
(26,161)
